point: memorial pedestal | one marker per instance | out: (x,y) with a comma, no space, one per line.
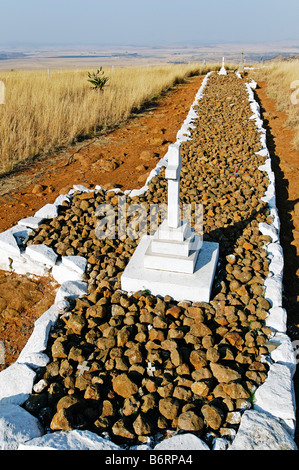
(195,286)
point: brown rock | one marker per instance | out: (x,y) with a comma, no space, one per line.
(37,189)
(117,310)
(59,349)
(159,322)
(76,354)
(224,373)
(61,421)
(76,323)
(200,330)
(66,369)
(235,390)
(165,390)
(149,402)
(190,421)
(97,311)
(142,425)
(174,311)
(92,392)
(201,374)
(67,402)
(134,355)
(124,386)
(176,358)
(107,409)
(120,429)
(182,393)
(131,405)
(156,335)
(213,416)
(198,359)
(123,336)
(169,407)
(200,388)
(196,313)
(234,338)
(106,343)
(213,355)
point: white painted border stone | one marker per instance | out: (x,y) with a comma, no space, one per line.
(276,395)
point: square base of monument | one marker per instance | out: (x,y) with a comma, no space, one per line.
(195,287)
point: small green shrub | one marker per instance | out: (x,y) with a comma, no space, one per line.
(98,79)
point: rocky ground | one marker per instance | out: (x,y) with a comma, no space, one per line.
(207,358)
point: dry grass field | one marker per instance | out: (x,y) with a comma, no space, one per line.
(46,111)
(282,79)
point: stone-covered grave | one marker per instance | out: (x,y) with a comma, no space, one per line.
(137,366)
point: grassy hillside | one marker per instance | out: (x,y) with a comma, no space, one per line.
(283,86)
(45,112)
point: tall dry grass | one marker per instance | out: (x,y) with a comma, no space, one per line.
(282,79)
(45,112)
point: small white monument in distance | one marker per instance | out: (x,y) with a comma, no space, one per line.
(174,261)
(241,68)
(222,70)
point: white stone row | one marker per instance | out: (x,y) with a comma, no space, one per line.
(275,398)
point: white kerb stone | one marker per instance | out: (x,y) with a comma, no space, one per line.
(276,394)
(17,426)
(284,353)
(77,263)
(277,319)
(182,442)
(31,222)
(261,431)
(16,384)
(71,290)
(8,243)
(72,440)
(49,211)
(42,254)
(62,273)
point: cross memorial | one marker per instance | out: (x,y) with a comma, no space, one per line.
(222,70)
(83,368)
(241,66)
(172,174)
(150,369)
(174,261)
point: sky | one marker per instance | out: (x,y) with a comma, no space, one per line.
(146,22)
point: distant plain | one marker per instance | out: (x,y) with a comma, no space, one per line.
(55,57)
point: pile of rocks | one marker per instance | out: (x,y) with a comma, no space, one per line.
(150,365)
(206,357)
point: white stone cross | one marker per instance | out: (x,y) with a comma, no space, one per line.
(150,369)
(173,176)
(222,70)
(82,368)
